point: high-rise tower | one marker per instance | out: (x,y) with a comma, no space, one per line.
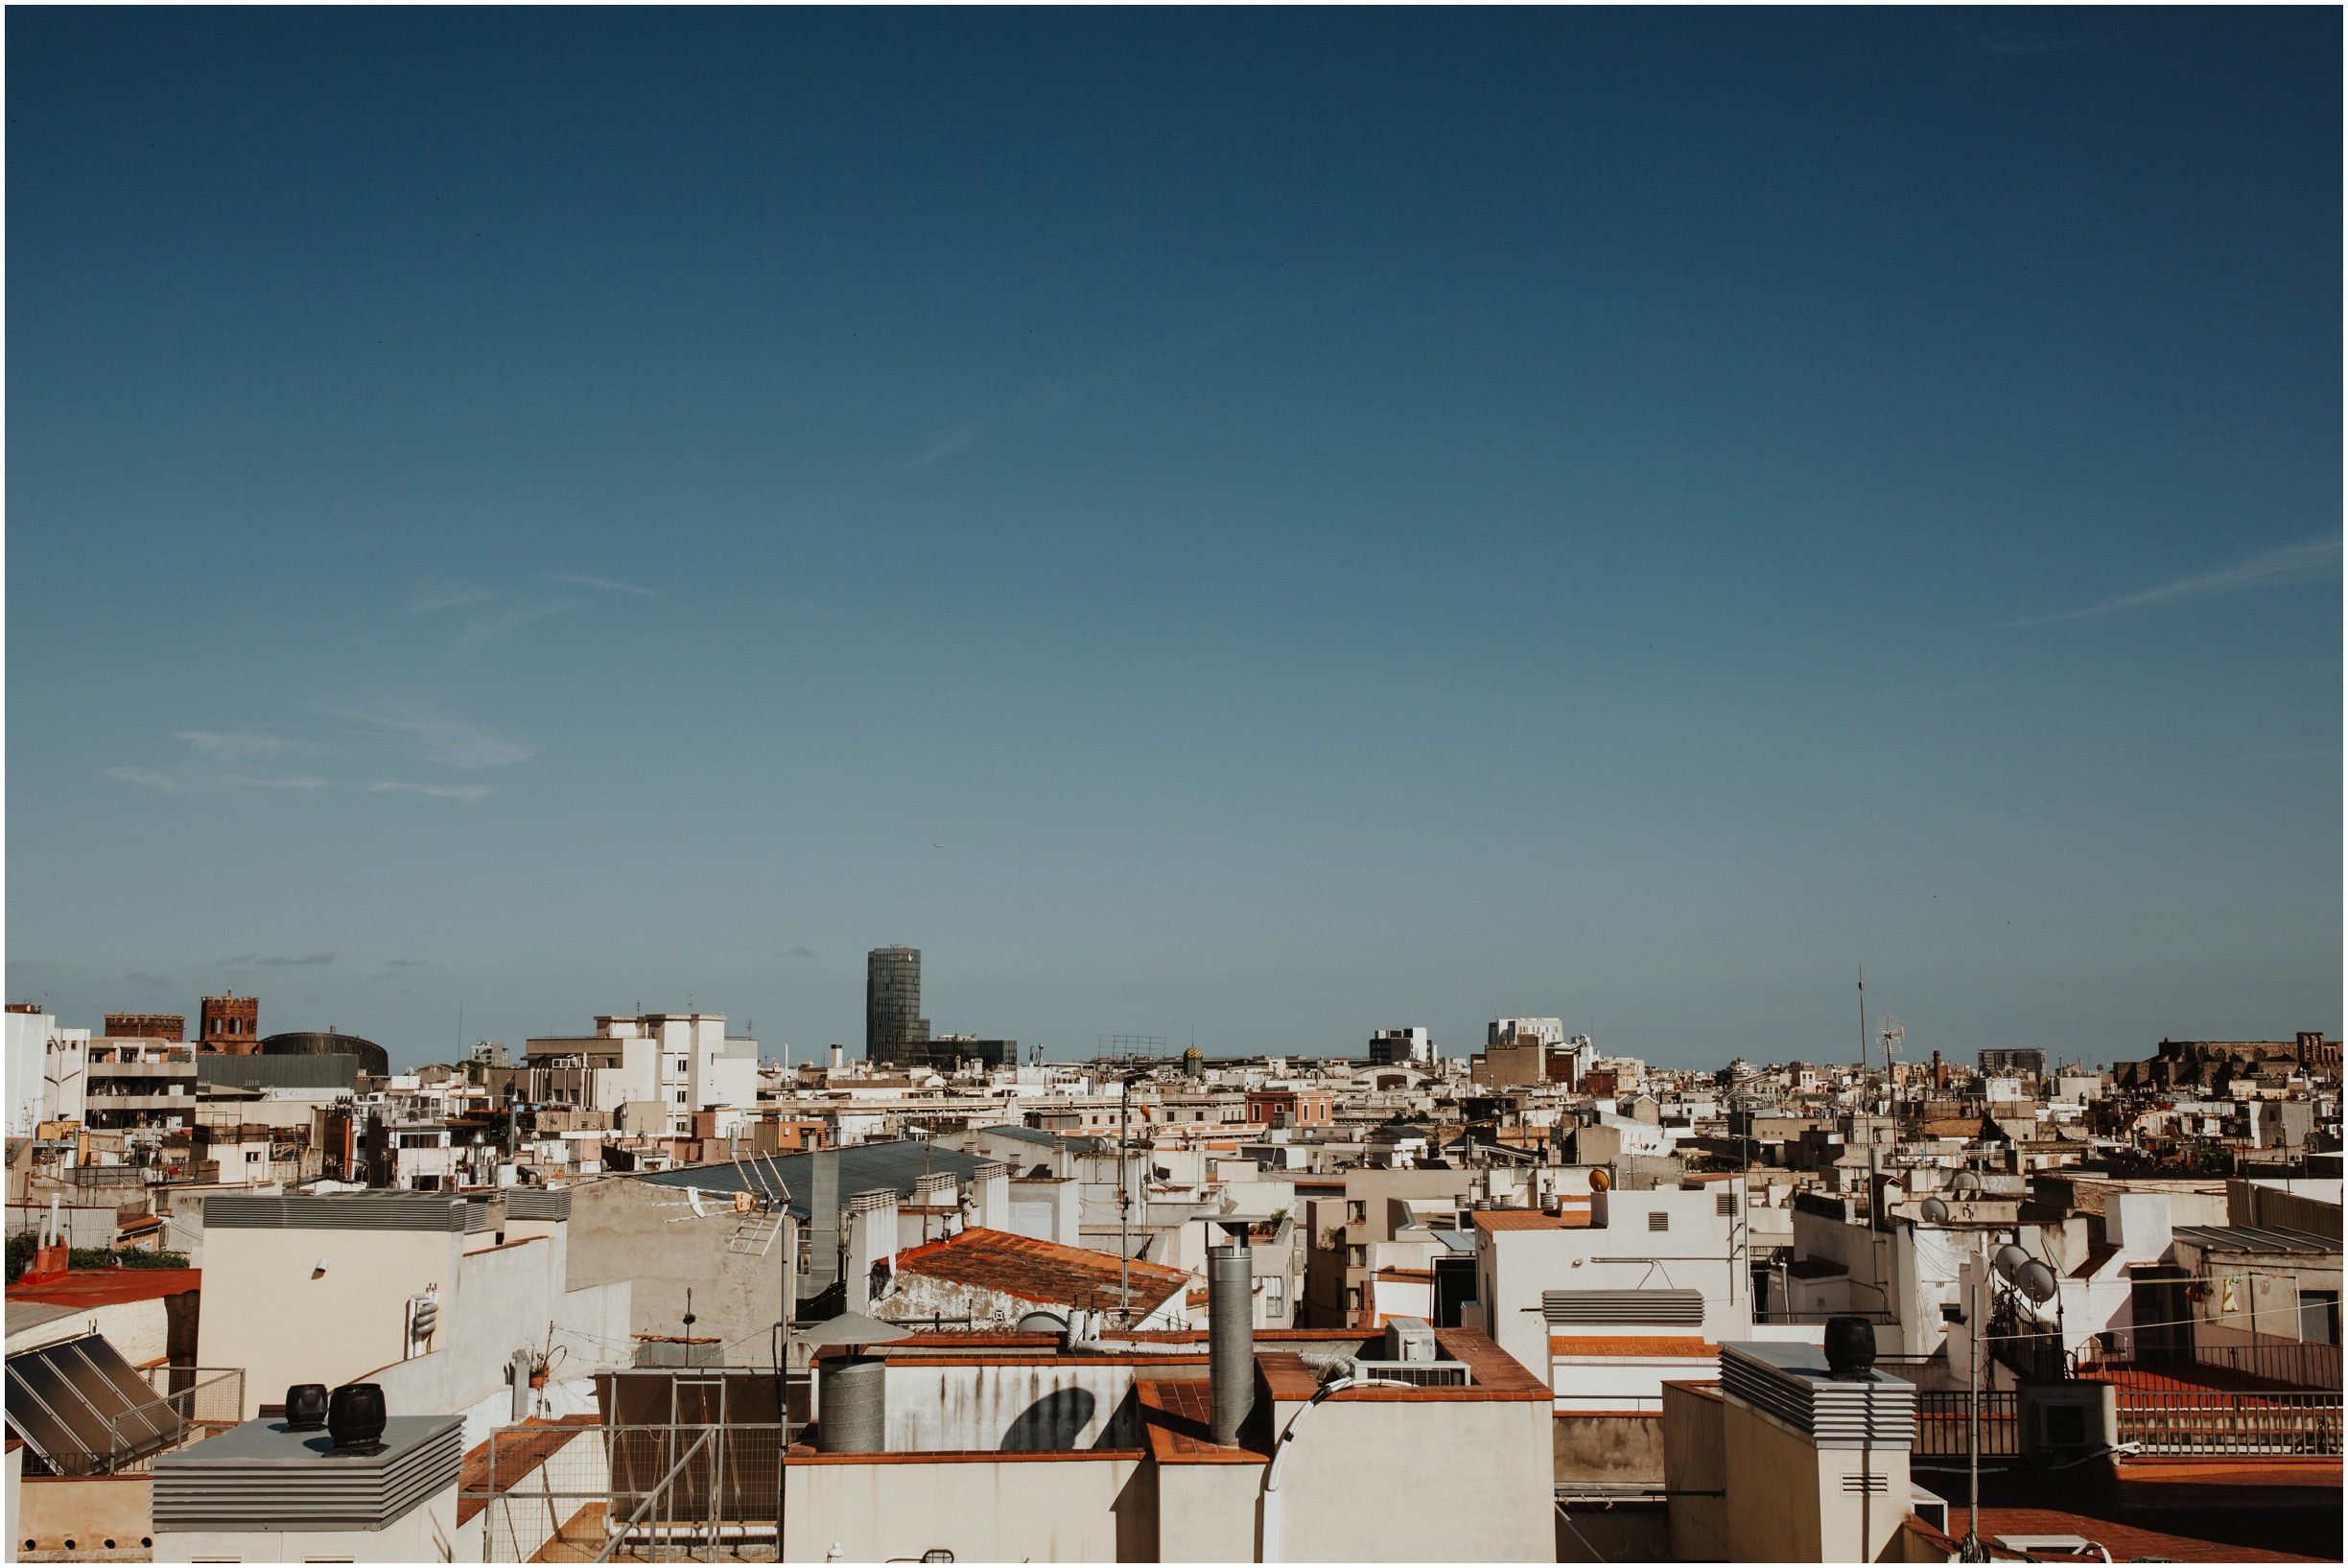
(892,1004)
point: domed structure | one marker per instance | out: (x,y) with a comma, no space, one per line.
(372,1058)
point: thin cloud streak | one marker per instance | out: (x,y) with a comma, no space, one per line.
(579,581)
(436,736)
(451,792)
(2303,562)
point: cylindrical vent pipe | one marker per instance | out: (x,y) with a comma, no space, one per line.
(851,1403)
(1231,1336)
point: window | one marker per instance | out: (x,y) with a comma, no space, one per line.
(1356,1257)
(1357,1211)
(1724,1204)
(2319,1317)
(680,1096)
(253,1157)
(1658,1220)
(1353,1299)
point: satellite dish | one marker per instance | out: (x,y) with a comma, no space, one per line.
(1599,1182)
(2009,1257)
(1936,1211)
(1042,1323)
(2035,1280)
(1965,1182)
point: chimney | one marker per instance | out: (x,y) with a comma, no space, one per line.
(991,1196)
(1231,1336)
(836,1054)
(1815,1455)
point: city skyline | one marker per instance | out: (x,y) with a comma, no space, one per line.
(1281,525)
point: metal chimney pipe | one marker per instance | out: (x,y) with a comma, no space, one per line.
(1231,1338)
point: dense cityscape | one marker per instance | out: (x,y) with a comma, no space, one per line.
(637,1291)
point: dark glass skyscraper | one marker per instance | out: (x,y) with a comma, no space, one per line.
(893,1024)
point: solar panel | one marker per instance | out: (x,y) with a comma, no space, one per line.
(84,1410)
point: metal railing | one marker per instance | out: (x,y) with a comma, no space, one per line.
(629,1493)
(2299,1364)
(2284,1422)
(1944,1426)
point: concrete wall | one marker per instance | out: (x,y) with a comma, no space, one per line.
(1411,1481)
(617,1234)
(1208,1514)
(1612,1449)
(96,1513)
(1695,1462)
(1041,1508)
(427,1533)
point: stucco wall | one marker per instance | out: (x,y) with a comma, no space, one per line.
(985,1510)
(1208,1514)
(1056,1406)
(1460,1481)
(90,1513)
(140,1330)
(265,1310)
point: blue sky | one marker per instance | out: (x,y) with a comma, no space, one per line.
(1275,524)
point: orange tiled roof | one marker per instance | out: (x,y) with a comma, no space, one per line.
(107,1287)
(1632,1344)
(2125,1542)
(1036,1271)
(1529,1219)
(1177,1417)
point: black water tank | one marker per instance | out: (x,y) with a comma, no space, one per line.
(305,1407)
(356,1414)
(1850,1348)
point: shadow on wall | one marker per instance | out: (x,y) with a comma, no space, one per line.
(1052,1423)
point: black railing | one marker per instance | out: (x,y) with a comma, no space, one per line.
(1944,1425)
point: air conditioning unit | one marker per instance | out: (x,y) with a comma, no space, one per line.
(2068,1420)
(1409,1338)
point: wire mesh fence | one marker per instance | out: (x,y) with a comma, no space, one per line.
(687,1492)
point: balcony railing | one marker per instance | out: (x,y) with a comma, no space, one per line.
(2278,1423)
(1945,1427)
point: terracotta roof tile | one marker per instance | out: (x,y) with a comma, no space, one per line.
(1037,1270)
(1489,1220)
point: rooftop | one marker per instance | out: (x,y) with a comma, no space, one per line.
(107,1287)
(1037,1271)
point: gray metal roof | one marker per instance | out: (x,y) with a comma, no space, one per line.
(863,1167)
(1024,1135)
(2243,1238)
(264,1476)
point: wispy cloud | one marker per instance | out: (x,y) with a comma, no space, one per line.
(2307,561)
(305,960)
(406,963)
(436,736)
(235,763)
(449,792)
(960,439)
(605,584)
